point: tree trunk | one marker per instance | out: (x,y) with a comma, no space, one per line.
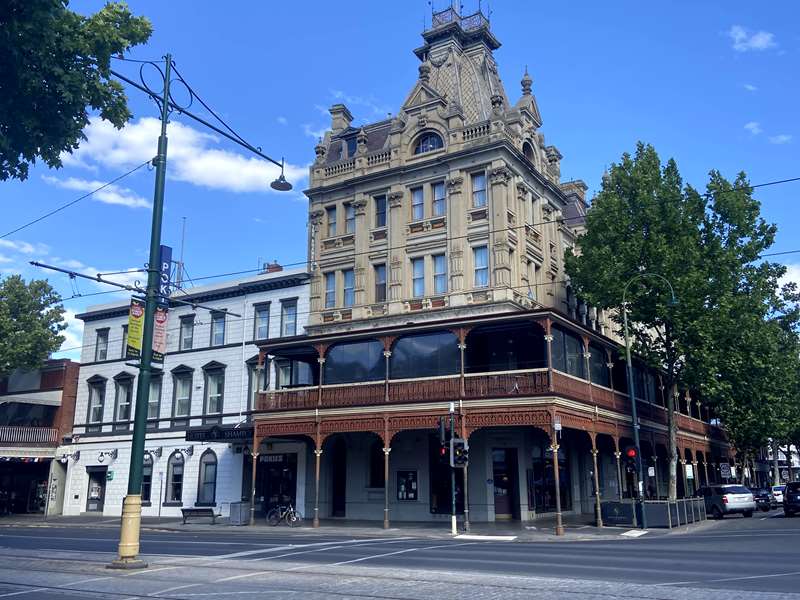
(776,475)
(673,442)
(789,460)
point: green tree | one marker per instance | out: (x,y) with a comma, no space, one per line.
(31,319)
(54,65)
(645,220)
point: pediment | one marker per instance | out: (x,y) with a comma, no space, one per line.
(423,95)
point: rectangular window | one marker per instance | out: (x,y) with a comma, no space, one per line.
(330,289)
(123,404)
(288,318)
(186,333)
(154,402)
(380,211)
(380,283)
(480,258)
(439,274)
(97,396)
(478,190)
(147,480)
(261,321)
(124,341)
(349,218)
(417,204)
(330,213)
(257,381)
(532,280)
(349,287)
(183,398)
(439,206)
(215,388)
(101,345)
(217,329)
(418,277)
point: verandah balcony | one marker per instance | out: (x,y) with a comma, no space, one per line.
(28,436)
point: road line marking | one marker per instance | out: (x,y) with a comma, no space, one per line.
(355,560)
(297,547)
(149,571)
(22,592)
(172,589)
(83,581)
(752,577)
(488,538)
(634,533)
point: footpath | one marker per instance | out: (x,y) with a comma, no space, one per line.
(542,530)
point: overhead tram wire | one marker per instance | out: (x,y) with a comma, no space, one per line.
(71,203)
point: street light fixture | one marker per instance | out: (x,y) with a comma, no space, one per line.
(631,392)
(280,184)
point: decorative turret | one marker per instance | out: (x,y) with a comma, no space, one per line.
(526,83)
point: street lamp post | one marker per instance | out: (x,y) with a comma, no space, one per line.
(631,390)
(132,505)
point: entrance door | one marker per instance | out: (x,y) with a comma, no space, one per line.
(506,495)
(339,478)
(278,474)
(96,496)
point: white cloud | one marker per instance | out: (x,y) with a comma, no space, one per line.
(111,194)
(368,102)
(314,133)
(191,156)
(282,120)
(753,127)
(744,40)
(792,275)
(5,259)
(24,247)
(750,87)
(322,110)
(783,138)
(73,336)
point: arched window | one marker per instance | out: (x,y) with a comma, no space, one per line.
(425,355)
(428,142)
(175,478)
(527,151)
(147,478)
(353,362)
(207,482)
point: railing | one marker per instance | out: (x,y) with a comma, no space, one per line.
(340,168)
(424,390)
(30,436)
(353,394)
(476,131)
(379,158)
(518,383)
(291,399)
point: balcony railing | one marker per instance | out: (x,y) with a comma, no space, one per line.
(28,436)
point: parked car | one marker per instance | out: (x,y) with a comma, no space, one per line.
(724,500)
(763,498)
(791,498)
(777,495)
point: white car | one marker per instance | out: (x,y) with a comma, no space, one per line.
(777,494)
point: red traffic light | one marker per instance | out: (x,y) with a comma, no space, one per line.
(630,452)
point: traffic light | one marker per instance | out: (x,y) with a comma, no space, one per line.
(459,452)
(631,460)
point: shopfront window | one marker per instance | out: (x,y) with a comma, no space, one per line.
(541,480)
(207,483)
(175,466)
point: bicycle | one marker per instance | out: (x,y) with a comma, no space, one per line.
(284,513)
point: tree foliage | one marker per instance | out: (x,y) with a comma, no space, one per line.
(725,336)
(54,64)
(31,319)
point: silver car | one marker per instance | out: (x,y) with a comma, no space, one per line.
(724,500)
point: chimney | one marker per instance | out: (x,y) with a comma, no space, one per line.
(340,118)
(272,267)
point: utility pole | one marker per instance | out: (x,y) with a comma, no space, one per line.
(132,505)
(453,523)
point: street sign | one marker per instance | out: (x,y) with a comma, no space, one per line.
(165,272)
(651,471)
(110,476)
(785,474)
(160,333)
(725,470)
(135,329)
(689,471)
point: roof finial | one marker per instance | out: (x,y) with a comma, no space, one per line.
(526,83)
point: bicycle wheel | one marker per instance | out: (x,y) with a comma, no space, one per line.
(274,517)
(293,518)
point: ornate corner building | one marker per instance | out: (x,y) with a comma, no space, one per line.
(436,247)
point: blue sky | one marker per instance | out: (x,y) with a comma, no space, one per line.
(712,84)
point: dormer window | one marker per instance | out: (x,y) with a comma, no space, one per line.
(428,142)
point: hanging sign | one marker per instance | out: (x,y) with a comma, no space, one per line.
(164,275)
(725,470)
(160,334)
(135,329)
(689,471)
